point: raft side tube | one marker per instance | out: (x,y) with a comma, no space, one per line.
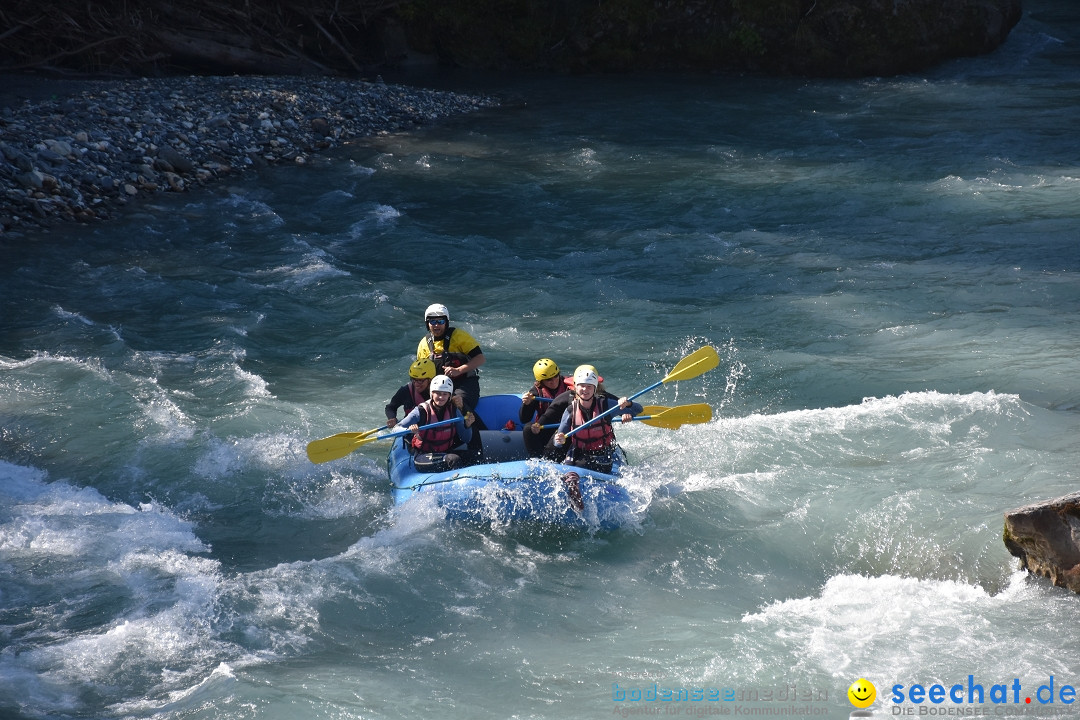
(496,410)
(502,446)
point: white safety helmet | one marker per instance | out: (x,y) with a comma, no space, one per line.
(586,375)
(441,383)
(436,310)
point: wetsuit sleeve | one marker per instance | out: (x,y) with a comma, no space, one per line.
(613,401)
(400,398)
(525,412)
(564,424)
(412,418)
(555,411)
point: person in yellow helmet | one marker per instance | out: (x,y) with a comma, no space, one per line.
(413,392)
(536,400)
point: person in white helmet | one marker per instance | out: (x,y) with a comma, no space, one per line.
(553,413)
(594,446)
(448,442)
(455,353)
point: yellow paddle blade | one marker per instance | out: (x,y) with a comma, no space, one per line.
(653,410)
(682,415)
(694,364)
(675,417)
(338,446)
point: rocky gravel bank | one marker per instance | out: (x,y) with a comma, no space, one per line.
(81,156)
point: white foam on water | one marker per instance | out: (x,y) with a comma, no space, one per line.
(385,213)
(42,360)
(347,488)
(138,573)
(360,170)
(162,412)
(253,208)
(68,315)
(211,691)
(311,269)
(378,216)
(257,387)
(409,525)
(905,630)
(224,457)
(912,485)
(770,449)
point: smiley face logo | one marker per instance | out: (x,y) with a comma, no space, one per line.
(862,693)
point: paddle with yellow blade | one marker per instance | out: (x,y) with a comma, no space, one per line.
(340,445)
(671,418)
(698,362)
(674,417)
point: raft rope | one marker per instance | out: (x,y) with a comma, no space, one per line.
(485,478)
(456,477)
(488,478)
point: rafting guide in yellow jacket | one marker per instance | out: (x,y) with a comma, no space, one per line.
(456,354)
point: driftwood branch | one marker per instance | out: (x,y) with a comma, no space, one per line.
(225,36)
(11,31)
(64,53)
(333,41)
(208,52)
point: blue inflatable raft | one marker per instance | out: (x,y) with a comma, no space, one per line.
(509,487)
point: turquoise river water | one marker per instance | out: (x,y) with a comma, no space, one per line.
(889,269)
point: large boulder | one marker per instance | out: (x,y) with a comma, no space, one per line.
(1046,538)
(840,38)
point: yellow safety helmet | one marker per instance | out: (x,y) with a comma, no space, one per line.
(545,369)
(422,368)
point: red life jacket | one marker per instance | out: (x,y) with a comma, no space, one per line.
(438,439)
(540,391)
(416,396)
(599,435)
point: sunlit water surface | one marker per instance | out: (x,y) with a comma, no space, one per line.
(889,269)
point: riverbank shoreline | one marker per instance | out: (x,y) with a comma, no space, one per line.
(79,150)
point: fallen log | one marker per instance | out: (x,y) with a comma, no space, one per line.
(227,59)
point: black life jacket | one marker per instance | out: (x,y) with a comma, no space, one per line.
(446,359)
